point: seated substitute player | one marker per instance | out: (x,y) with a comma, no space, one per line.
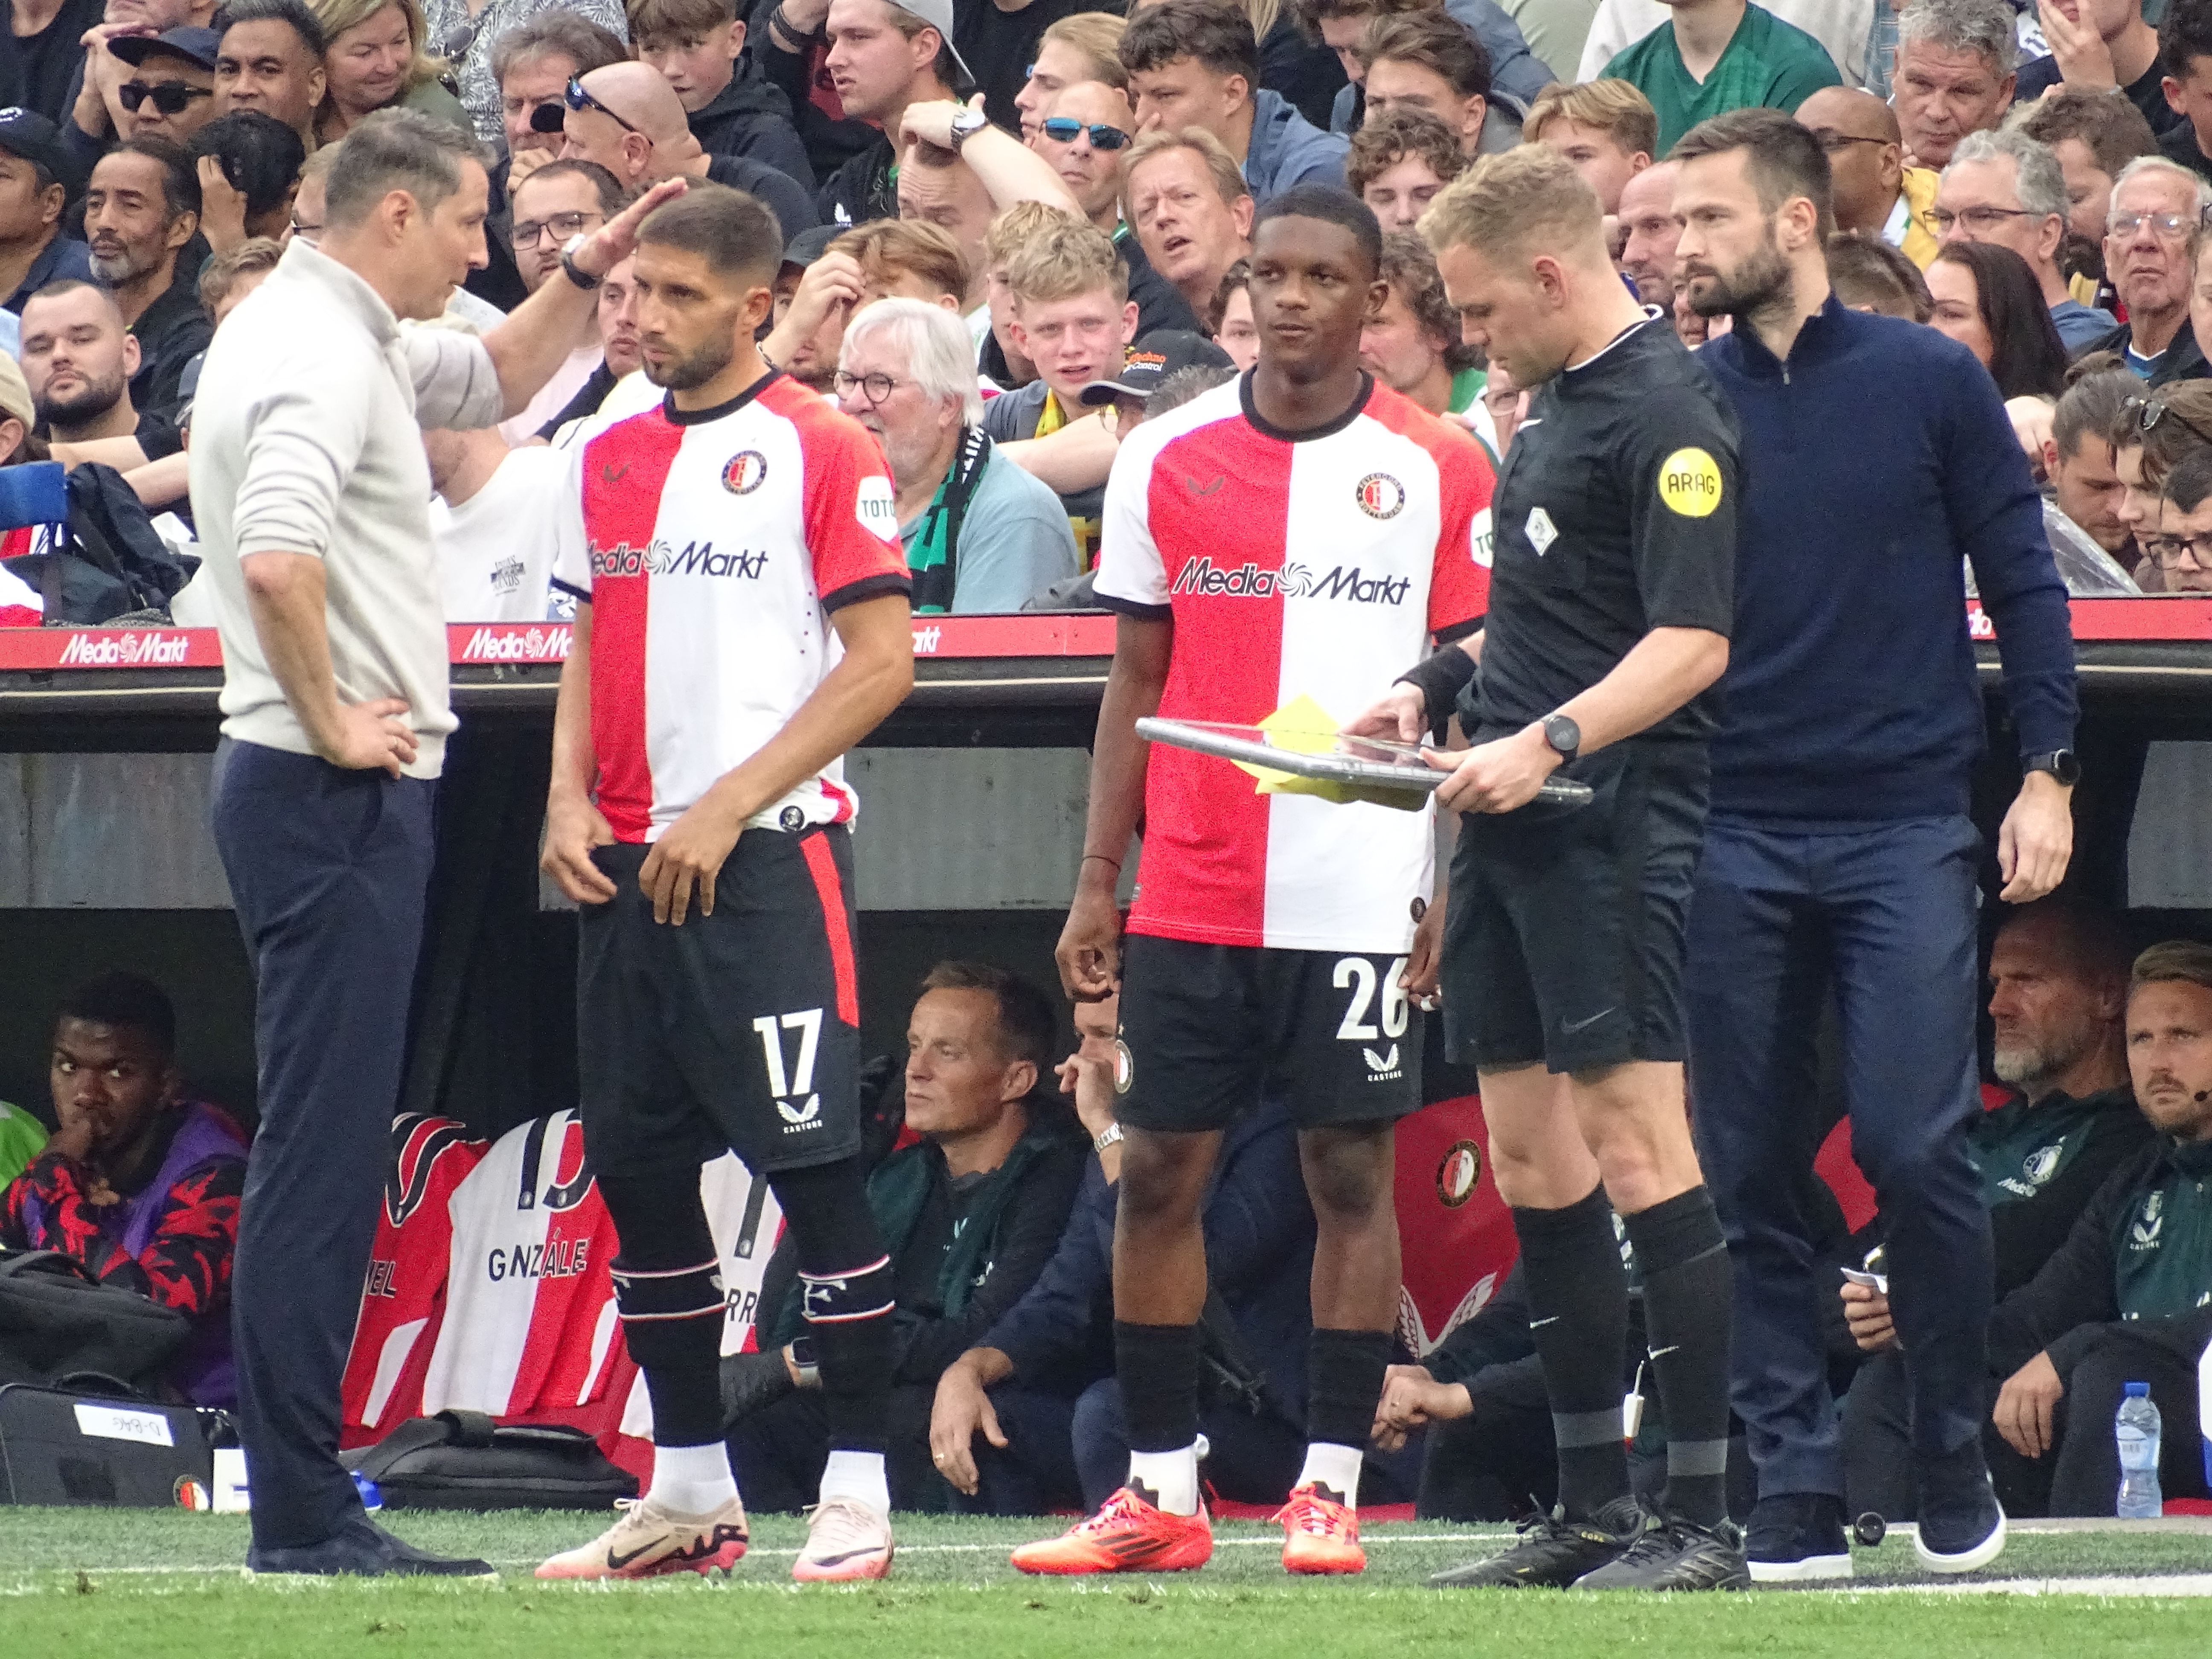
(699,814)
(1290,538)
(1563,948)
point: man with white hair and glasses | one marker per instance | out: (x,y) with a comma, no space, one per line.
(2157,215)
(2005,188)
(981,534)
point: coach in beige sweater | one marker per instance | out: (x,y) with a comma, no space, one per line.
(313,498)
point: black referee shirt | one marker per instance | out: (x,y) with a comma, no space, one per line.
(1614,515)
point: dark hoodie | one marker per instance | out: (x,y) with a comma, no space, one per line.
(752,117)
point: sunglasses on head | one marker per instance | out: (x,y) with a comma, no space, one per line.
(170,97)
(2147,412)
(579,98)
(1062,129)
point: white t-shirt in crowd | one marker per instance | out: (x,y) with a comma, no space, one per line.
(568,380)
(496,549)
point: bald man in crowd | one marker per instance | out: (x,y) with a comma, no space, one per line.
(635,126)
(1871,188)
(1647,220)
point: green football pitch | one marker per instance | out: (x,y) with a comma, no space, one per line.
(75,1582)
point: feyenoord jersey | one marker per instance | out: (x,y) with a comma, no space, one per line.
(712,545)
(405,1292)
(1316,567)
(530,1322)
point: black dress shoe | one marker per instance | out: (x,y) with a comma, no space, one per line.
(362,1549)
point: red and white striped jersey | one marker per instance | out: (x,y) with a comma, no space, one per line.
(405,1294)
(530,1325)
(712,545)
(1317,567)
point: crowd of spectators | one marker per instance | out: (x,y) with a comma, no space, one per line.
(2038,198)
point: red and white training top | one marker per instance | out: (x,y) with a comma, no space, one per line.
(1319,568)
(712,545)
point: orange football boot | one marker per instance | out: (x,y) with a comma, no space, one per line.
(1129,1533)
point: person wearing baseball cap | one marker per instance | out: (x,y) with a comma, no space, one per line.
(881,57)
(33,190)
(162,84)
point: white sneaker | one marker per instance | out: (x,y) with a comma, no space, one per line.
(845,1540)
(647,1540)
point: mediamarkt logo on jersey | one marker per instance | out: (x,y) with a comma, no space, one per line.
(660,559)
(1292,582)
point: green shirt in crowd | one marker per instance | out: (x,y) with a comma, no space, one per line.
(1767,63)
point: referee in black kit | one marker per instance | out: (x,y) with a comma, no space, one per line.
(1611,603)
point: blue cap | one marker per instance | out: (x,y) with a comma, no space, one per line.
(2138,1390)
(195,45)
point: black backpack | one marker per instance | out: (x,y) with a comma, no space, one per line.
(461,1460)
(56,1323)
(112,564)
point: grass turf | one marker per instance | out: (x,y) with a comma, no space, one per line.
(139,1582)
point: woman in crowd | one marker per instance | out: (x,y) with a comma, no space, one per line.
(379,55)
(1986,299)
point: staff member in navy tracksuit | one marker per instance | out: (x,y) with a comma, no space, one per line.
(1877,460)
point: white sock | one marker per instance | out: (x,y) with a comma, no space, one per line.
(1336,1467)
(1170,1476)
(692,1480)
(857,1475)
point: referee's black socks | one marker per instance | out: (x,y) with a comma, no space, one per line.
(1686,1309)
(1578,1319)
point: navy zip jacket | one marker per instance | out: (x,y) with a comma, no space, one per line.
(1874,459)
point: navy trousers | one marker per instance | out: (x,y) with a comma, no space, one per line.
(328,871)
(1885,914)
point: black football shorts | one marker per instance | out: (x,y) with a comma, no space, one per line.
(1564,935)
(735,1032)
(1208,1029)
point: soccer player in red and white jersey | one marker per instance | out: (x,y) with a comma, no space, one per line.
(1301,533)
(742,621)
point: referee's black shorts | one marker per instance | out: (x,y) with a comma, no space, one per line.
(735,1032)
(1207,1029)
(1564,937)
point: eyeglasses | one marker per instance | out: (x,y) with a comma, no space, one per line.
(874,387)
(1978,218)
(1834,143)
(301,228)
(1062,130)
(2166,551)
(170,97)
(579,98)
(529,231)
(2124,225)
(2147,412)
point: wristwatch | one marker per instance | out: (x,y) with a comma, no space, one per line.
(2059,763)
(804,1362)
(568,263)
(1563,735)
(1108,1136)
(967,124)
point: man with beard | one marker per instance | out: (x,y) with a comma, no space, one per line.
(701,821)
(1840,851)
(141,211)
(79,359)
(2059,992)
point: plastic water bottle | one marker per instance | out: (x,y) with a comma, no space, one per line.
(2135,1428)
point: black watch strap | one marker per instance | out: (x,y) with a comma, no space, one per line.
(2060,763)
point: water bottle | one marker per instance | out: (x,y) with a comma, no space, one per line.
(2135,1428)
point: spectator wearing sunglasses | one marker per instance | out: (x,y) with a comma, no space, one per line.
(166,87)
(270,58)
(470,38)
(2158,206)
(32,250)
(629,120)
(1086,133)
(379,55)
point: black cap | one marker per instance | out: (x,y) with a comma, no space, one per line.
(1155,357)
(196,45)
(29,135)
(804,249)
